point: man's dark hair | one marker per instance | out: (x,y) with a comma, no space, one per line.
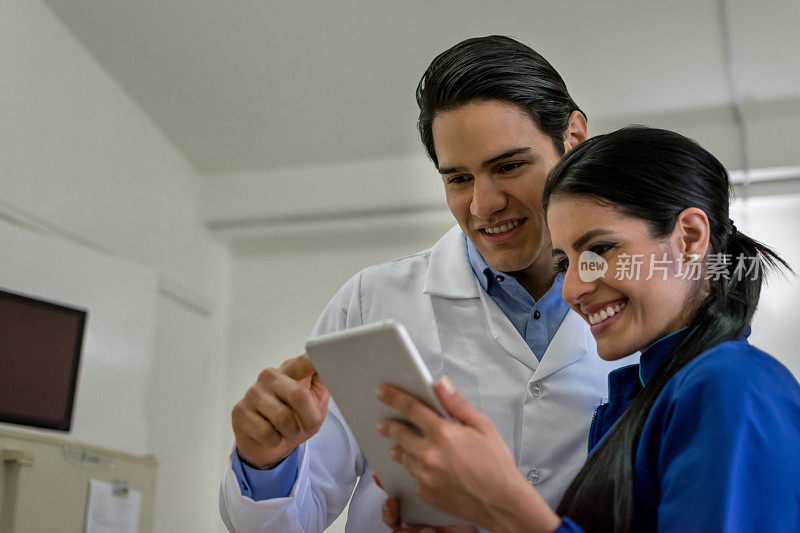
(494,68)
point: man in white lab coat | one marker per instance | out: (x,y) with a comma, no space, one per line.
(483,306)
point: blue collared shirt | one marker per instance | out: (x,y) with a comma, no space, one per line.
(719,448)
(537,322)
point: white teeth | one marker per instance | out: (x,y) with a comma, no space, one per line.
(608,312)
(504,228)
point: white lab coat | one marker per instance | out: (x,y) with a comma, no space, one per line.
(542,409)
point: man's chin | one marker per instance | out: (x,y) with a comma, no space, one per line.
(505,264)
(506,259)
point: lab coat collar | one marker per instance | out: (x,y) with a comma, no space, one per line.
(571,343)
(449,273)
(450,276)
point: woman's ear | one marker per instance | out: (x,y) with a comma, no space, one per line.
(692,233)
(576,130)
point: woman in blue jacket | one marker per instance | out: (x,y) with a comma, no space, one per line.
(704,434)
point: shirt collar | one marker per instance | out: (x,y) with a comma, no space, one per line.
(654,355)
(482,270)
(487,275)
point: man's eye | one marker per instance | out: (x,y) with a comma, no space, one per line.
(457,179)
(510,167)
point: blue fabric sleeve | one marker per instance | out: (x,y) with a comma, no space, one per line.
(728,458)
(262,485)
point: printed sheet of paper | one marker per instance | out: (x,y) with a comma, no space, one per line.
(111,510)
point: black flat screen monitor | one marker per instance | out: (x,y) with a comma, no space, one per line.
(40,350)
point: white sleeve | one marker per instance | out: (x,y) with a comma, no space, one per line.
(328,465)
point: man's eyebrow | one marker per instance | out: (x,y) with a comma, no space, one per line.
(589,235)
(488,162)
(509,153)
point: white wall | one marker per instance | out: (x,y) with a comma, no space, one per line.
(775,221)
(82,162)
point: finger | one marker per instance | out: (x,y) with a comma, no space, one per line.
(398,455)
(404,436)
(456,405)
(280,415)
(390,513)
(320,392)
(412,409)
(251,427)
(301,402)
(409,460)
(298,367)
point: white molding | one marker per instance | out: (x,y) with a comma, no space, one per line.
(275,197)
(166,286)
(363,213)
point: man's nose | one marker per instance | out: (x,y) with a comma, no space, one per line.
(487,198)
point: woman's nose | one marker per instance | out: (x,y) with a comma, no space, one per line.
(574,289)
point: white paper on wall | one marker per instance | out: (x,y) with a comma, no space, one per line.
(112,510)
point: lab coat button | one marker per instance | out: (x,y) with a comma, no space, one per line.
(536,389)
(534,477)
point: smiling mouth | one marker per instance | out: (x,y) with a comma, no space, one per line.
(503,228)
(606,313)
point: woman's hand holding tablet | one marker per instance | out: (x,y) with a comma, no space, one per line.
(353,364)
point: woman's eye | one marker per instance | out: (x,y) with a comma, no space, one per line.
(560,267)
(601,248)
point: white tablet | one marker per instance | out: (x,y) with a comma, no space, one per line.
(352,364)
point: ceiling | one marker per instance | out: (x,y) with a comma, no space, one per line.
(254,84)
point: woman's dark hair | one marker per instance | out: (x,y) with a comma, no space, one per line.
(653,175)
(494,68)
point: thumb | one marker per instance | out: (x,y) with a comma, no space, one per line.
(299,367)
(455,404)
(320,392)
